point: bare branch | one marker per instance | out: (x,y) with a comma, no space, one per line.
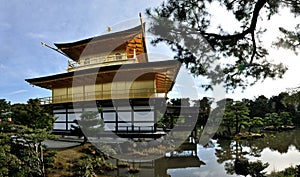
(258,6)
(254,48)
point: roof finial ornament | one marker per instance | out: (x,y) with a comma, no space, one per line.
(108,29)
(141,20)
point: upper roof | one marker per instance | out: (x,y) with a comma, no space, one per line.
(103,43)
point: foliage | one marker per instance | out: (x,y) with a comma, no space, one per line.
(4,105)
(205,109)
(234,156)
(293,98)
(285,118)
(290,39)
(5,108)
(49,159)
(9,162)
(89,125)
(260,106)
(235,116)
(180,101)
(277,102)
(21,149)
(269,113)
(175,20)
(272,119)
(91,164)
(166,122)
(288,172)
(254,122)
(85,167)
(255,169)
(33,115)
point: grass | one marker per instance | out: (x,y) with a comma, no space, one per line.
(67,161)
(64,159)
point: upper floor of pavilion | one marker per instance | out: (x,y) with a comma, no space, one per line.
(113,48)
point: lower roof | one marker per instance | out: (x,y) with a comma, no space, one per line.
(164,72)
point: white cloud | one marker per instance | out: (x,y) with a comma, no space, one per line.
(17,92)
(2,66)
(37,35)
(5,25)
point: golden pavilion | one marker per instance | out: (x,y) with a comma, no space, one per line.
(111,71)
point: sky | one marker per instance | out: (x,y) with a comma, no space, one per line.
(25,24)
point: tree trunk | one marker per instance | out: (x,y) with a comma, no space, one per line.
(236,123)
(249,129)
(229,130)
(84,140)
(239,129)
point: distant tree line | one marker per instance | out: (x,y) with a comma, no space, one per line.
(278,112)
(249,115)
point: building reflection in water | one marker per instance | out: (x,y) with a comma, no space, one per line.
(183,157)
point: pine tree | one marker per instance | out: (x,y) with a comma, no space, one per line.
(177,22)
(90,125)
(236,116)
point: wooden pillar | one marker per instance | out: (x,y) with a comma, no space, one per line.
(155,116)
(83,93)
(172,121)
(117,122)
(132,119)
(67,118)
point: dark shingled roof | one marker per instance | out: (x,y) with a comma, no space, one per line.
(103,43)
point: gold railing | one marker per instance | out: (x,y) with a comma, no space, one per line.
(46,100)
(105,61)
(103,95)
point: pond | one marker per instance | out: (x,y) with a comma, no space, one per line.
(279,149)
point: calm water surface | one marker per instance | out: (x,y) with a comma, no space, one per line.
(279,149)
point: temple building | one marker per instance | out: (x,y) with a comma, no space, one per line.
(111,71)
